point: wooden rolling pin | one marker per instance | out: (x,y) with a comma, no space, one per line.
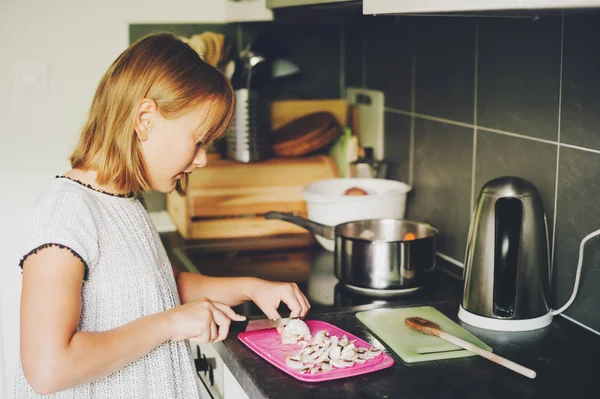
(430,328)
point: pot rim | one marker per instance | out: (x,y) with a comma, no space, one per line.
(434,230)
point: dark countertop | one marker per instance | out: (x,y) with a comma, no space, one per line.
(563,354)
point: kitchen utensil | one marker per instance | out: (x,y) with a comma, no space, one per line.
(507,262)
(506,276)
(368,167)
(344,151)
(208,45)
(267,344)
(285,111)
(411,346)
(261,324)
(370,105)
(374,253)
(430,328)
(305,135)
(252,62)
(327,205)
(283,67)
(248,135)
(229,69)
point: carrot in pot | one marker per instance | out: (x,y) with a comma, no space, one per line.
(410,236)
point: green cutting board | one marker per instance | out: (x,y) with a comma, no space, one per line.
(413,346)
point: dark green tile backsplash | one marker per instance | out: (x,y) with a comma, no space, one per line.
(442,188)
(578,193)
(445,69)
(488,101)
(397,146)
(519,75)
(314,48)
(496,154)
(354,48)
(388,49)
(580,100)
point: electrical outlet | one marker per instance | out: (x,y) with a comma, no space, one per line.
(371,113)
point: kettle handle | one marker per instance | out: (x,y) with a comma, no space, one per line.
(468,249)
(578,274)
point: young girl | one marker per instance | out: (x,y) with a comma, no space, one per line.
(103,315)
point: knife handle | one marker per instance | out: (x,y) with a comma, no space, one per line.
(238,326)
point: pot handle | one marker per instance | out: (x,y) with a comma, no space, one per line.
(314,227)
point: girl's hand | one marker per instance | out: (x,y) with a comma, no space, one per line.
(202,320)
(268,295)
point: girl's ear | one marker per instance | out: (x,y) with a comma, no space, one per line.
(145,117)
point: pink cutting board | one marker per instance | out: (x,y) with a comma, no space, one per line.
(267,344)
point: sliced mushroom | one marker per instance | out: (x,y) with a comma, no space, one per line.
(344,341)
(305,369)
(348,351)
(326,366)
(326,353)
(320,337)
(374,352)
(333,342)
(294,362)
(335,353)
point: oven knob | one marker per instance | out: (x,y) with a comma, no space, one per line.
(201,364)
(211,375)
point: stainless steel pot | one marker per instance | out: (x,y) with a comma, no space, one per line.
(374,253)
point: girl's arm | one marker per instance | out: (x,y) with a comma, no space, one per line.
(56,356)
(232,291)
(235,290)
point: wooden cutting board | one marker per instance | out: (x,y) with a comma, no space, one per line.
(413,346)
(305,135)
(285,111)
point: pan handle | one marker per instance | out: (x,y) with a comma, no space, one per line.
(314,227)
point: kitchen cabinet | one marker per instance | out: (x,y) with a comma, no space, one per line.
(247,10)
(436,6)
(233,390)
(217,381)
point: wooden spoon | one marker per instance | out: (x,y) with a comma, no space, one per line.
(430,328)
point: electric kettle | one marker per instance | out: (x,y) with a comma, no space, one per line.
(507,262)
(507,267)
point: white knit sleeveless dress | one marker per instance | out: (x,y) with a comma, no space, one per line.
(127,276)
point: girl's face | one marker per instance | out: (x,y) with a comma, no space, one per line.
(172,147)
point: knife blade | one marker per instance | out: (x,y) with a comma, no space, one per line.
(260,324)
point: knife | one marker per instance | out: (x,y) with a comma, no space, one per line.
(260,324)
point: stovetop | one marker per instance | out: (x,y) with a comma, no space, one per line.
(309,267)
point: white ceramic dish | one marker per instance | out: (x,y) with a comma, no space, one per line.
(327,204)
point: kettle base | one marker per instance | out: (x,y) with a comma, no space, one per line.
(489,323)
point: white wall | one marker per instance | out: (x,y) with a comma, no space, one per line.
(77,39)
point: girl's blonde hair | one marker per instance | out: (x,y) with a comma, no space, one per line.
(162,68)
